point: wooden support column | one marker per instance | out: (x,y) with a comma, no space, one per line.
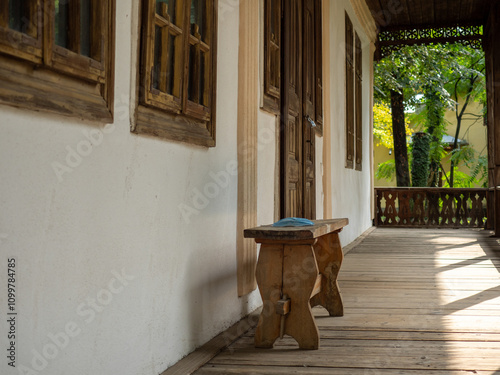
(492,49)
(327,113)
(370,131)
(369,26)
(248,81)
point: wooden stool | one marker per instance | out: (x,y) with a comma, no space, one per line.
(297,269)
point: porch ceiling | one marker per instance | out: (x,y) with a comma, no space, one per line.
(404,14)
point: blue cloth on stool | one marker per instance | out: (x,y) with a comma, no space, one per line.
(293,222)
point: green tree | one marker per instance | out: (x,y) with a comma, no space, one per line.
(443,75)
(382,125)
(393,87)
(466,81)
(383,133)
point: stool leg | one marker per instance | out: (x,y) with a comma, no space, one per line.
(329,256)
(269,279)
(299,276)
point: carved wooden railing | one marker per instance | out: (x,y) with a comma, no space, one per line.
(431,207)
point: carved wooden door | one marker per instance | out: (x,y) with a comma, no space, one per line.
(298,109)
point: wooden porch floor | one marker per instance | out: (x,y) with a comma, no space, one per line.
(416,302)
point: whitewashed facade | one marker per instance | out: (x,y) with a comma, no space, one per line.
(125,244)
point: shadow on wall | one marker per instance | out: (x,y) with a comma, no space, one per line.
(212,298)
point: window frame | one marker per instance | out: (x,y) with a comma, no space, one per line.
(165,115)
(318,40)
(353,94)
(358,102)
(272,68)
(40,75)
(349,91)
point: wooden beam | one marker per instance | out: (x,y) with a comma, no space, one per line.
(327,112)
(376,11)
(248,105)
(415,11)
(370,129)
(493,103)
(428,12)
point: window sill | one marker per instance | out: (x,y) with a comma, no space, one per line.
(180,128)
(29,86)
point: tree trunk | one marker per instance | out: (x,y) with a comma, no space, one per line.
(455,145)
(399,135)
(435,128)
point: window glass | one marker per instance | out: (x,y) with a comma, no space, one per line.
(201,87)
(170,65)
(69,36)
(171,8)
(192,77)
(61,23)
(198,19)
(85,24)
(157,63)
(20,16)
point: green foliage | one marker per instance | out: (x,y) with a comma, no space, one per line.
(478,167)
(479,173)
(442,74)
(462,180)
(463,155)
(420,162)
(382,125)
(386,170)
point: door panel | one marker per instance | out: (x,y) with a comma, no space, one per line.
(298,98)
(291,111)
(309,86)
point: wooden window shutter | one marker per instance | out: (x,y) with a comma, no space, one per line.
(272,55)
(319,66)
(349,71)
(358,104)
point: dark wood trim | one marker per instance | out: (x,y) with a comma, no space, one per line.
(431,207)
(283,107)
(358,103)
(349,93)
(271,94)
(428,26)
(318,48)
(392,38)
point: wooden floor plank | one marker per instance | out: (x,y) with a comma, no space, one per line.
(416,302)
(270,370)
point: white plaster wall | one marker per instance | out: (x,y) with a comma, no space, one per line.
(116,213)
(266,168)
(351,188)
